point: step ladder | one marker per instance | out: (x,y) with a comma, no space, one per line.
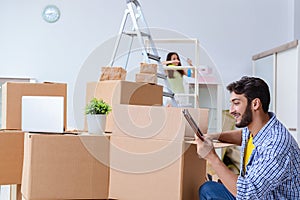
(141,31)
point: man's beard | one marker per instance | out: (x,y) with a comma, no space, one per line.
(246,118)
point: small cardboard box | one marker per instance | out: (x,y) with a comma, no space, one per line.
(146,78)
(124,92)
(12,93)
(154,169)
(157,122)
(113,73)
(11,157)
(148,68)
(65,167)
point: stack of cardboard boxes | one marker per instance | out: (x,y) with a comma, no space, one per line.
(146,156)
(11,135)
(147,73)
(149,155)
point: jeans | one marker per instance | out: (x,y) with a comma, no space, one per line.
(211,190)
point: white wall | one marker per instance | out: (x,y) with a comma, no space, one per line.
(231,32)
(297,19)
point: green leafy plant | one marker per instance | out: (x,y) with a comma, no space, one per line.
(97,106)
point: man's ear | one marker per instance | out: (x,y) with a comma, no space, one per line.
(256,104)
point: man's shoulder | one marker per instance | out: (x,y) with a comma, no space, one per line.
(278,138)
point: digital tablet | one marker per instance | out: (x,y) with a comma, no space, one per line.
(193,124)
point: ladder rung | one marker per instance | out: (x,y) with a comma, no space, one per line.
(145,34)
(153,57)
(168,94)
(162,76)
(185,95)
(133,34)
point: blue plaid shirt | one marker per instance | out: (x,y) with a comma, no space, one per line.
(273,170)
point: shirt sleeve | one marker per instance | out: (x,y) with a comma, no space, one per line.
(268,168)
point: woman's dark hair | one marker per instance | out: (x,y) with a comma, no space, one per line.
(170,72)
(252,87)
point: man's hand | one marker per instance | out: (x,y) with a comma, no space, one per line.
(205,149)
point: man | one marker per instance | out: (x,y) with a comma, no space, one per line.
(270,156)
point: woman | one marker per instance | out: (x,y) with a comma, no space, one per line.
(175,76)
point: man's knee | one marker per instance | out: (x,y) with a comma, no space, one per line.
(206,189)
(214,190)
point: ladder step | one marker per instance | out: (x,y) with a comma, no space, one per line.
(168,94)
(153,57)
(162,76)
(134,33)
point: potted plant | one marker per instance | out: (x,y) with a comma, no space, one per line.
(96,111)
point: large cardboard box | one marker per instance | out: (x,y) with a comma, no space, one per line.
(65,167)
(117,92)
(154,169)
(150,158)
(11,157)
(12,93)
(157,122)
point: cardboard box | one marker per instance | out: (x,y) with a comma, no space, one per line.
(11,157)
(146,78)
(65,167)
(12,93)
(154,169)
(113,73)
(148,68)
(149,157)
(156,122)
(124,92)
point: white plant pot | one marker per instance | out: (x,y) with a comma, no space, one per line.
(96,124)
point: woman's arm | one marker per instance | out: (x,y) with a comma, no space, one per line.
(167,62)
(192,70)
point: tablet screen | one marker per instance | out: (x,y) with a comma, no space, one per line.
(192,123)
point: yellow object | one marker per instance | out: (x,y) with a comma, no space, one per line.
(248,151)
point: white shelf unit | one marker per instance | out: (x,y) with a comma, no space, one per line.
(280,68)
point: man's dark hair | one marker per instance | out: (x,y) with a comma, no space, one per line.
(252,87)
